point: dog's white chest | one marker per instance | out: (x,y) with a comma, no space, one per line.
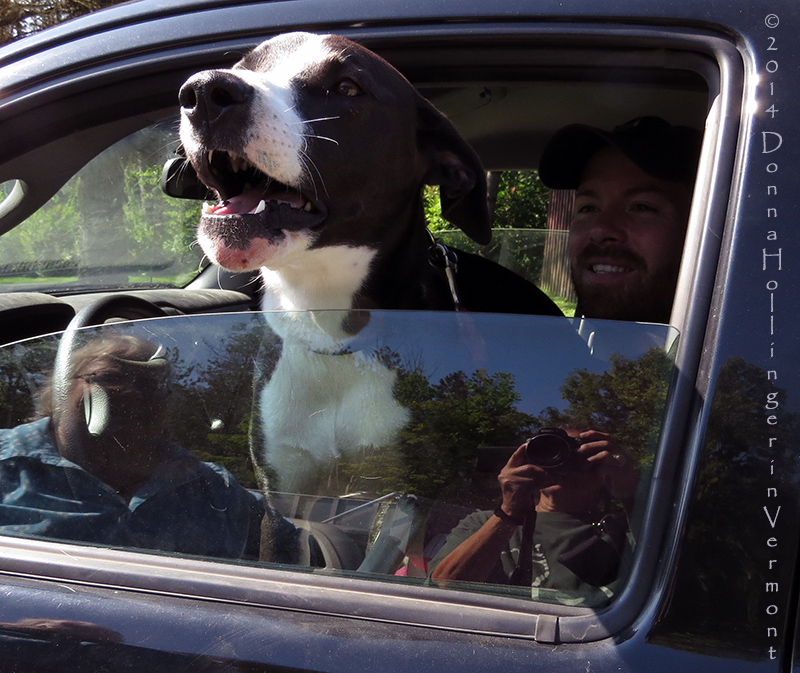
(317,408)
(324,278)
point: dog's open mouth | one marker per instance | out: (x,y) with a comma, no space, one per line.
(247,192)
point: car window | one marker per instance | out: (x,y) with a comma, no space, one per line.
(267,439)
(110,225)
(426,409)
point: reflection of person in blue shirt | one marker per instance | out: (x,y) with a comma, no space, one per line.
(100,469)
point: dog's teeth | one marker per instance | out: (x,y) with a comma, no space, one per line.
(307,207)
(260,207)
(210,155)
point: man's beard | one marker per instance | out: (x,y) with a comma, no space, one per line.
(646,298)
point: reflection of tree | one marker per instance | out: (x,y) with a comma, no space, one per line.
(213,401)
(626,401)
(434,455)
(450,419)
(23,17)
(718,595)
(22,371)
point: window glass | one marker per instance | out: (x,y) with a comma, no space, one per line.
(374,451)
(110,225)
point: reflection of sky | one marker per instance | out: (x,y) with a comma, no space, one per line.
(539,351)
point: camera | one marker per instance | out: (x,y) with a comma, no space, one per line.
(552,448)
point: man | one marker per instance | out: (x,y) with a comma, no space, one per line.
(99,467)
(633,193)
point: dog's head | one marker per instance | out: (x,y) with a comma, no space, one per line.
(313,141)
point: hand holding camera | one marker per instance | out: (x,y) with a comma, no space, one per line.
(568,470)
(613,465)
(520,482)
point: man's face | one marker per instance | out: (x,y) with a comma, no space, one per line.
(626,239)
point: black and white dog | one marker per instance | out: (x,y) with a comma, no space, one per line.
(318,151)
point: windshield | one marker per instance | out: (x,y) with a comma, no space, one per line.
(109,226)
(363,443)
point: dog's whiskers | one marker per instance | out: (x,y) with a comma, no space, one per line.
(311,135)
(172,144)
(318,119)
(308,161)
(256,278)
(183,168)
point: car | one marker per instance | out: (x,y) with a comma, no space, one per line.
(93,249)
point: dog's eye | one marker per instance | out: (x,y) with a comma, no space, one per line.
(347,87)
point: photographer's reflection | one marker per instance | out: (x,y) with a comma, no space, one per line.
(100,468)
(561,527)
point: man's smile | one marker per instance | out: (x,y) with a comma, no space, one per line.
(606,269)
(608,264)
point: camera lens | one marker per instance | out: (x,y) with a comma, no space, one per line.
(548,450)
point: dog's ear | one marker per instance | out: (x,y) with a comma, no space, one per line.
(455,167)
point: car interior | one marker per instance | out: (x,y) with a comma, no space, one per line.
(94,225)
(505,99)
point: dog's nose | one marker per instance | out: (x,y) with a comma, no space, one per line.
(211,93)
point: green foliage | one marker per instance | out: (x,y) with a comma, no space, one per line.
(152,218)
(566,306)
(54,226)
(520,205)
(627,401)
(24,17)
(433,209)
(520,202)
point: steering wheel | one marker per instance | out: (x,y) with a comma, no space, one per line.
(125,306)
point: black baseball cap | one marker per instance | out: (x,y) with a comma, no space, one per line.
(660,149)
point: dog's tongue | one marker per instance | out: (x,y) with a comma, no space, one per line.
(248,201)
